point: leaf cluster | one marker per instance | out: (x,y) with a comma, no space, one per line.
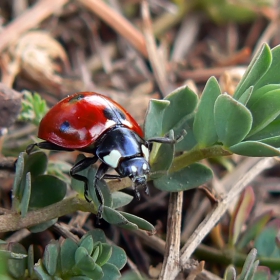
(91,258)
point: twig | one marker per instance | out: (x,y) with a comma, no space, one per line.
(157,63)
(29,19)
(171,257)
(215,215)
(118,23)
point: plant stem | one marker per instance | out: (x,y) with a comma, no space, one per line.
(195,155)
(227,257)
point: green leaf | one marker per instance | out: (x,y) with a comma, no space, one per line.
(40,271)
(96,252)
(249,264)
(116,218)
(120,199)
(241,213)
(97,235)
(118,257)
(273,141)
(187,178)
(261,91)
(19,173)
(67,255)
(183,102)
(230,273)
(233,120)
(265,243)
(30,260)
(46,190)
(257,68)
(270,131)
(42,226)
(246,96)
(80,278)
(105,255)
(86,264)
(141,223)
(162,156)
(272,76)
(254,229)
(36,163)
(204,126)
(103,188)
(111,272)
(26,195)
(154,117)
(254,149)
(17,261)
(51,257)
(87,242)
(265,110)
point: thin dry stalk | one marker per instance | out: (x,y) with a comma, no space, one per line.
(171,257)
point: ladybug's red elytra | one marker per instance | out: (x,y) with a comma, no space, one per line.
(93,123)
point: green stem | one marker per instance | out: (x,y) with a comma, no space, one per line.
(228,257)
(195,155)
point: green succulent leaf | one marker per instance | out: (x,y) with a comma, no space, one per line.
(118,257)
(42,226)
(265,110)
(67,255)
(19,173)
(86,264)
(233,120)
(241,213)
(254,149)
(204,126)
(80,278)
(97,236)
(271,76)
(270,131)
(154,117)
(17,261)
(87,243)
(41,272)
(254,229)
(36,163)
(141,223)
(116,218)
(187,178)
(51,257)
(111,272)
(42,187)
(261,91)
(161,157)
(265,243)
(24,205)
(249,264)
(120,199)
(183,102)
(96,252)
(30,260)
(105,255)
(245,97)
(257,69)
(230,273)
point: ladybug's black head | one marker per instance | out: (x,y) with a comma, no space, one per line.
(137,169)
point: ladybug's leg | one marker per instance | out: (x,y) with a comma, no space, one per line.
(47,146)
(79,166)
(166,140)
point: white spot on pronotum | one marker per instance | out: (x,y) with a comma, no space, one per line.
(127,123)
(113,158)
(146,152)
(134,168)
(145,166)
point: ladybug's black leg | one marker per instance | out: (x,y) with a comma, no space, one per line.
(166,140)
(47,146)
(79,166)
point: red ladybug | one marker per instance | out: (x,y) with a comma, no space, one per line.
(93,123)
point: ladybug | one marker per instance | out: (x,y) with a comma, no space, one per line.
(93,123)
